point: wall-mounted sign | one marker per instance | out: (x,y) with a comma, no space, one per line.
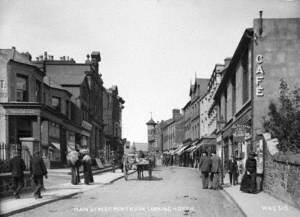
(259,76)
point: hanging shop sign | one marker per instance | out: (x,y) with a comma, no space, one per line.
(259,76)
(241,130)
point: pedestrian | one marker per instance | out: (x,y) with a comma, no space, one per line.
(38,170)
(17,167)
(87,169)
(215,171)
(204,166)
(233,171)
(74,162)
(248,183)
(113,159)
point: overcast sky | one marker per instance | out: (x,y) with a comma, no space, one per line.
(151,49)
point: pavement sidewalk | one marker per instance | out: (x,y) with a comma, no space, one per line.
(256,205)
(53,193)
(261,204)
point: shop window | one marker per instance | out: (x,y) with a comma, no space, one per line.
(21,88)
(56,103)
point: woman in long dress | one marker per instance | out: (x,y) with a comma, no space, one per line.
(74,162)
(87,169)
(248,183)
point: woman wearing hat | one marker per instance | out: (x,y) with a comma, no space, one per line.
(87,168)
(248,184)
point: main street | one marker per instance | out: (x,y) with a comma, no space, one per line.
(172,191)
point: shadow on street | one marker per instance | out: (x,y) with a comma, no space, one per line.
(147,178)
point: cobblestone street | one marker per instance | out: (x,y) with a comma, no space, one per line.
(172,192)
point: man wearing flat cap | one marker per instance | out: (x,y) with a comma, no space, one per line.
(38,171)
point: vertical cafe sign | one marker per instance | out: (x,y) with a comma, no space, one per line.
(259,76)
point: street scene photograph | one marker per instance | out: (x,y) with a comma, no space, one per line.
(150,108)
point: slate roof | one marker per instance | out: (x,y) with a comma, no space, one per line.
(67,74)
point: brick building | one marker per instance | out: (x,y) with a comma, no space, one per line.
(84,82)
(173,131)
(34,108)
(208,113)
(113,105)
(191,112)
(266,53)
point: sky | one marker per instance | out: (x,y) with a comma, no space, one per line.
(150,49)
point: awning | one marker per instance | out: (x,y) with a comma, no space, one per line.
(171,152)
(195,149)
(178,149)
(190,149)
(54,145)
(183,149)
(193,146)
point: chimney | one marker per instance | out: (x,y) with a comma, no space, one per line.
(14,52)
(45,55)
(96,56)
(28,55)
(87,59)
(260,30)
(227,61)
(176,114)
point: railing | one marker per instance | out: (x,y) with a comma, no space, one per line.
(6,153)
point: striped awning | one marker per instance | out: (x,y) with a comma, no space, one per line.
(181,151)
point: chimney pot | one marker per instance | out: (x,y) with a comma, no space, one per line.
(260,23)
(227,61)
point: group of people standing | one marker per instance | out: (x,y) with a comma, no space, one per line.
(210,167)
(77,159)
(211,172)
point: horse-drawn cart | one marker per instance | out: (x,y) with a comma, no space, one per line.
(140,164)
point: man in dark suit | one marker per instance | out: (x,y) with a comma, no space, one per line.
(38,170)
(204,166)
(215,171)
(17,167)
(233,171)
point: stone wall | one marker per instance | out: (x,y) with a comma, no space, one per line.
(282,180)
(6,184)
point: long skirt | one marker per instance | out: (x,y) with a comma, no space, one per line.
(248,183)
(88,175)
(75,175)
